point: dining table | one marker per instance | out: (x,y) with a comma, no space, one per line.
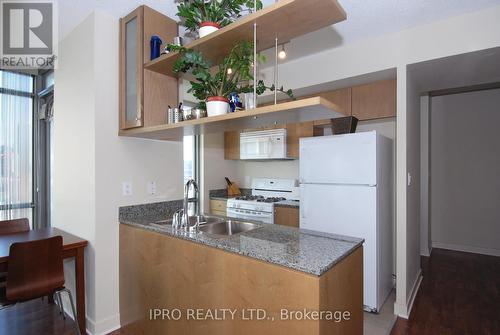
(73,247)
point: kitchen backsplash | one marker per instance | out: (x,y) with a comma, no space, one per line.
(222,192)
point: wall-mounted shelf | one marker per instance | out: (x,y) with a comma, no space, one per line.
(284,20)
(294,111)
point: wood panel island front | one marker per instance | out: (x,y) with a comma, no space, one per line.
(270,280)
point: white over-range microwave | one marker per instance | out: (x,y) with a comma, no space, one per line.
(263,144)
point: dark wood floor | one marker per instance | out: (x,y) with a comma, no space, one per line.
(459,294)
(36,317)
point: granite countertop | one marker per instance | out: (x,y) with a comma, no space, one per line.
(299,249)
(221,194)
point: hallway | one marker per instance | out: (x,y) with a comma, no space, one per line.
(459,294)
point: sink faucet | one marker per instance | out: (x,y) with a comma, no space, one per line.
(181,216)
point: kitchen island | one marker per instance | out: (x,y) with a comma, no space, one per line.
(269,280)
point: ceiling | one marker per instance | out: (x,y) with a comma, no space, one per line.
(365,18)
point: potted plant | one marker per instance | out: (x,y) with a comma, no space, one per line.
(208,16)
(234,74)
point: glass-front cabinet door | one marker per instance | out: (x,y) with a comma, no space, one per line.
(131,70)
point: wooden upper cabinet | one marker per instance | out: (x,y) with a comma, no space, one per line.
(294,131)
(144,95)
(342,98)
(131,73)
(375,100)
(232,145)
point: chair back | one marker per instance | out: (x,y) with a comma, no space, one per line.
(14,226)
(35,269)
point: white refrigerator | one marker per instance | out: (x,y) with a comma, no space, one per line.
(346,187)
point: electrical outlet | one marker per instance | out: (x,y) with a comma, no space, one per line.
(151,188)
(127,188)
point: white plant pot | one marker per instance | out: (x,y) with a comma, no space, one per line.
(207,28)
(217,106)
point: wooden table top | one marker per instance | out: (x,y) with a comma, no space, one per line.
(69,241)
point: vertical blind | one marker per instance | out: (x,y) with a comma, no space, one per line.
(16,145)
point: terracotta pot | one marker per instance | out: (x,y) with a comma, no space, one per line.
(207,28)
(217,106)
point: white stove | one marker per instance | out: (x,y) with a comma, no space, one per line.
(260,205)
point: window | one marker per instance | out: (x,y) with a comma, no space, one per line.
(16,145)
(43,147)
(189,158)
(191,167)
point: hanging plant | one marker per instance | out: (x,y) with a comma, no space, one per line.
(233,74)
(206,16)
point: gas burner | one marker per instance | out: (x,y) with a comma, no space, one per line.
(271,199)
(250,197)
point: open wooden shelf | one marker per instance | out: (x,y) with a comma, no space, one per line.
(288,112)
(284,20)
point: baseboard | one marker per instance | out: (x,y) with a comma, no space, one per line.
(414,291)
(467,248)
(426,252)
(404,310)
(400,310)
(103,327)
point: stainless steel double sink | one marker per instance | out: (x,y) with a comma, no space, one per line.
(216,226)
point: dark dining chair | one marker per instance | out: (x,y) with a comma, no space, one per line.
(35,270)
(12,227)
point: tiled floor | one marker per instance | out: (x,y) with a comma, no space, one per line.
(382,323)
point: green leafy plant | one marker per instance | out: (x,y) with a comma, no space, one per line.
(223,12)
(233,74)
(261,88)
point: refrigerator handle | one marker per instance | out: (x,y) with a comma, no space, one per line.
(303,202)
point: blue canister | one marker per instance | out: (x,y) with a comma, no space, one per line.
(155,44)
(234,102)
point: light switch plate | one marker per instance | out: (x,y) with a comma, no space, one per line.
(127,188)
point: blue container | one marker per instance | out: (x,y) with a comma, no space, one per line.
(155,44)
(234,102)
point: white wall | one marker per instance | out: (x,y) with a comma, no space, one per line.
(73,174)
(91,161)
(465,165)
(425,232)
(247,170)
(460,34)
(412,268)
